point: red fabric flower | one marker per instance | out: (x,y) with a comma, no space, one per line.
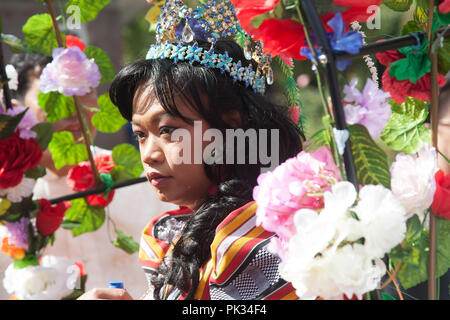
(441,200)
(81,178)
(444,7)
(72,41)
(400,89)
(292,38)
(16,156)
(49,218)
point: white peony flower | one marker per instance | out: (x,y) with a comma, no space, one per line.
(22,190)
(412,179)
(327,258)
(52,280)
(383,219)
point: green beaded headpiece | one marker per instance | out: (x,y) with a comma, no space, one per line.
(179,27)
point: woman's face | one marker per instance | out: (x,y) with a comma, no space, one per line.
(184,184)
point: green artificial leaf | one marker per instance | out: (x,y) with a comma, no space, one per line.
(370,160)
(36,172)
(398,5)
(103,62)
(414,256)
(28,260)
(386,296)
(65,151)
(56,105)
(44,132)
(90,218)
(89,9)
(411,27)
(319,139)
(40,35)
(8,124)
(443,55)
(127,162)
(126,242)
(414,228)
(405,131)
(109,118)
(69,224)
(15,44)
(414,65)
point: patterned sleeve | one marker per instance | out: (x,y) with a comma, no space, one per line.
(241,267)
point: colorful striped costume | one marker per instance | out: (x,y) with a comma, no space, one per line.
(240,266)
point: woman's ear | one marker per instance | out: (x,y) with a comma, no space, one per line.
(15,102)
(233,118)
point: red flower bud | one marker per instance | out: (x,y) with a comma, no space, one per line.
(49,218)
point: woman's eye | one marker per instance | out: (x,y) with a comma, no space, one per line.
(166,130)
(138,135)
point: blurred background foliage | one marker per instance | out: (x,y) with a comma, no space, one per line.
(138,35)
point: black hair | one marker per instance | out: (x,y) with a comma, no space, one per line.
(24,63)
(235,181)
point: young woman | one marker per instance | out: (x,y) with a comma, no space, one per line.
(211,247)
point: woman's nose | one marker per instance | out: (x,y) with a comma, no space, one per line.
(152,152)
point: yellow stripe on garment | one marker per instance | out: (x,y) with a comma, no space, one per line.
(204,279)
(234,249)
(154,245)
(236,222)
(290,296)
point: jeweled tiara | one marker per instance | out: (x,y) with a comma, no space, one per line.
(179,27)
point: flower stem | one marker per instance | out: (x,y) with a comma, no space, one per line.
(76,101)
(432,289)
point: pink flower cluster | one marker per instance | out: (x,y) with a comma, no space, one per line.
(71,73)
(298,183)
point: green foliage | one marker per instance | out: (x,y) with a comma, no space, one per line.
(39,34)
(8,124)
(126,242)
(15,44)
(44,131)
(405,131)
(109,118)
(28,260)
(89,9)
(56,105)
(65,150)
(415,250)
(84,217)
(103,62)
(398,5)
(370,160)
(414,65)
(36,172)
(127,163)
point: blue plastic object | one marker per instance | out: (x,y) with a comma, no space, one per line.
(115,284)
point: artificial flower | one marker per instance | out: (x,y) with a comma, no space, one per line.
(412,179)
(16,156)
(11,73)
(400,89)
(12,250)
(16,232)
(27,122)
(48,281)
(369,108)
(294,113)
(297,183)
(441,199)
(444,7)
(81,178)
(71,73)
(336,252)
(23,190)
(49,218)
(72,41)
(340,41)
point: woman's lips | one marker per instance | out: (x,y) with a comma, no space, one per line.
(157,182)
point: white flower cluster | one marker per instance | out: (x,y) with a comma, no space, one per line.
(53,279)
(338,251)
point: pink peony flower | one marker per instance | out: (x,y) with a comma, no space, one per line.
(297,183)
(412,179)
(71,73)
(369,108)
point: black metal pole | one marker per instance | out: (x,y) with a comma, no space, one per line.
(98,189)
(389,44)
(335,93)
